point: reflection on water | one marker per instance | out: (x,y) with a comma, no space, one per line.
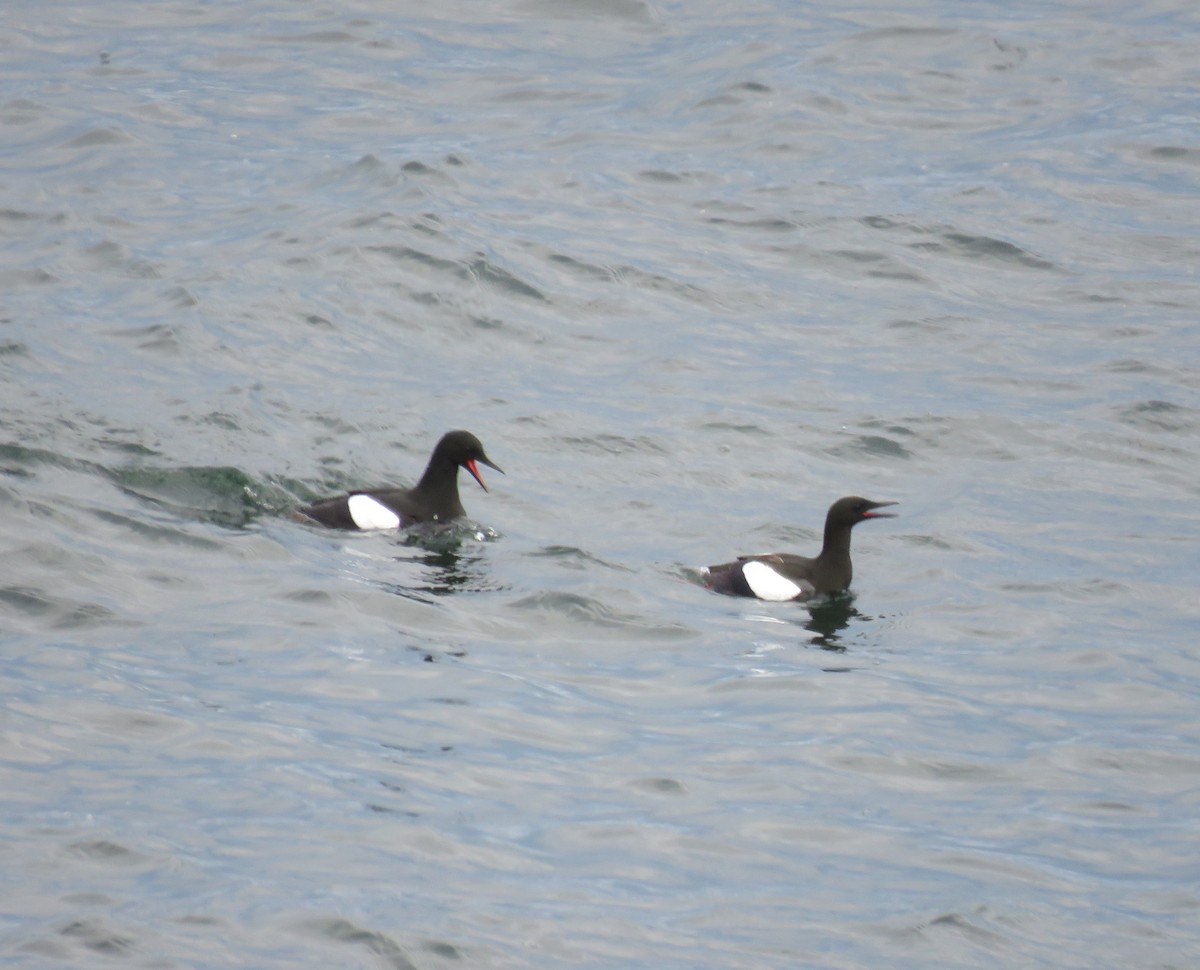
(442,567)
(442,573)
(828,619)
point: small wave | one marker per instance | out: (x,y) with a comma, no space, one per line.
(219,494)
(1159,416)
(577,608)
(342,931)
(99,137)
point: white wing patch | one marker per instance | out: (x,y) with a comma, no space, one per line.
(767,584)
(367,513)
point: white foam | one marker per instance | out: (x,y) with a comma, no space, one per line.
(368,513)
(767,584)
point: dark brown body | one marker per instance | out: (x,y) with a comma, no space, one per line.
(433,499)
(783,575)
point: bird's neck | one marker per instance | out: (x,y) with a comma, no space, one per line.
(439,485)
(837,542)
(835,556)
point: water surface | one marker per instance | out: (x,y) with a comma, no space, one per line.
(690,273)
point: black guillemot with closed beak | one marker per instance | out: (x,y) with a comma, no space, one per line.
(783,576)
(433,499)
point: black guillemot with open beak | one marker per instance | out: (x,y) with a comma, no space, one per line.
(433,499)
(782,576)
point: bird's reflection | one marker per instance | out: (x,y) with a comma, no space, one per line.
(826,621)
(443,564)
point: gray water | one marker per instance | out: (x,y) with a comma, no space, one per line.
(691,272)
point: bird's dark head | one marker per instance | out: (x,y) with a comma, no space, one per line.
(463,448)
(854,509)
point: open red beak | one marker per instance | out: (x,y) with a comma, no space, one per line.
(474,470)
(475,473)
(879,515)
